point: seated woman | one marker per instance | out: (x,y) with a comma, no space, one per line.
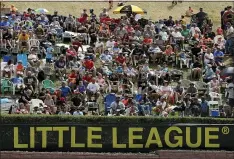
(215,85)
(49,102)
(104,31)
(101,82)
(130,71)
(80,89)
(168,53)
(168,91)
(8,70)
(22,109)
(71,53)
(161,104)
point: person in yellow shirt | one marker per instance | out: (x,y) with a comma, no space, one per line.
(183,20)
(24,39)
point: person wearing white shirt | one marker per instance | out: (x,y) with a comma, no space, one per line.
(208,56)
(177,34)
(193,29)
(78,112)
(163,34)
(110,44)
(93,87)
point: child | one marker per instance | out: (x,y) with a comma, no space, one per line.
(20,68)
(49,54)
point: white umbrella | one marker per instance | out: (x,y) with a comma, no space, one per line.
(41,10)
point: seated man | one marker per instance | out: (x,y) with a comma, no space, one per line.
(33,59)
(117,107)
(106,57)
(18,82)
(120,59)
(60,67)
(218,56)
(93,89)
(91,53)
(30,81)
(192,91)
(89,65)
(65,90)
(24,39)
(155,52)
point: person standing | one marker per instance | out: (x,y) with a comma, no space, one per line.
(230,96)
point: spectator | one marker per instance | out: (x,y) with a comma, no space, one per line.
(65,90)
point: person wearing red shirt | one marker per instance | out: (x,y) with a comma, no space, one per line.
(89,65)
(147,40)
(125,38)
(72,79)
(87,78)
(71,52)
(77,44)
(121,59)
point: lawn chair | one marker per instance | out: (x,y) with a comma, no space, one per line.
(201,87)
(185,83)
(6,84)
(108,100)
(23,58)
(47,84)
(34,43)
(66,36)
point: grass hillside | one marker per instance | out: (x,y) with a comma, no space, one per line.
(156,10)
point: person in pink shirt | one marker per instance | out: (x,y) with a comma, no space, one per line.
(129,28)
(71,52)
(101,82)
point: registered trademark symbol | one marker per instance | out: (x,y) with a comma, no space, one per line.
(225,130)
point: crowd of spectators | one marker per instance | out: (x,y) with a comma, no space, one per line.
(131,66)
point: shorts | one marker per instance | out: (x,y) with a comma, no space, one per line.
(231,102)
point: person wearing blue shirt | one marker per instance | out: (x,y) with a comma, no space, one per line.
(204,108)
(106,57)
(65,90)
(49,54)
(218,56)
(18,82)
(4,23)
